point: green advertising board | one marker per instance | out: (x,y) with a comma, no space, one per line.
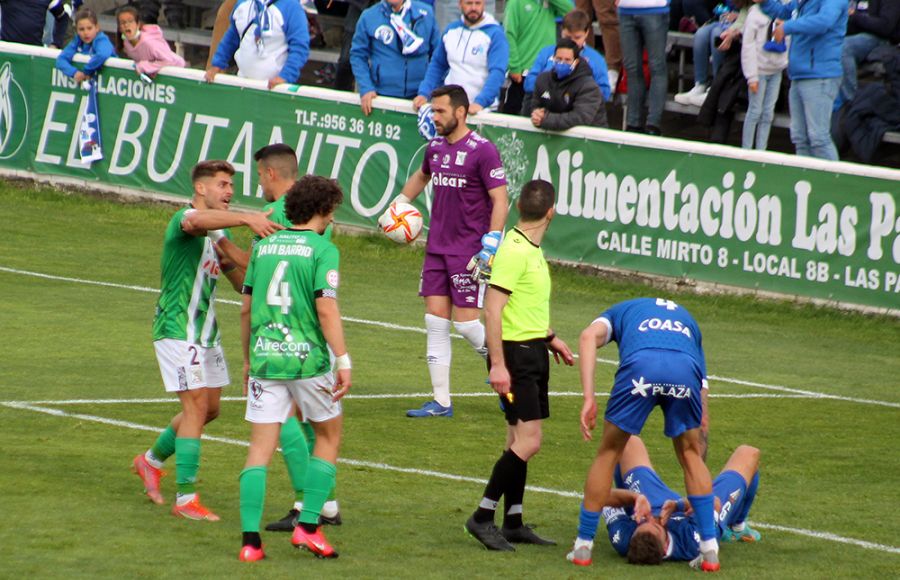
(716,214)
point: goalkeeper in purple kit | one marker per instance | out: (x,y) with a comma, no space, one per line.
(468,212)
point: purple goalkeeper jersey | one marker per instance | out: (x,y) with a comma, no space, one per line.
(461,175)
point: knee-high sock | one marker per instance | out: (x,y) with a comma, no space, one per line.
(187,463)
(473,332)
(310,435)
(504,471)
(703,508)
(163,447)
(319,481)
(253,497)
(514,494)
(587,524)
(295,453)
(438,357)
(744,510)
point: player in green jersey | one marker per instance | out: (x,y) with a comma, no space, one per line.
(289,321)
(517,325)
(276,169)
(185,331)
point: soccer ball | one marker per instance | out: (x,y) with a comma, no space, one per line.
(401,222)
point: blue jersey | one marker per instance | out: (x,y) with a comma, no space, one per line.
(684,534)
(654,323)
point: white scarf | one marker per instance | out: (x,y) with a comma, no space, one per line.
(411,41)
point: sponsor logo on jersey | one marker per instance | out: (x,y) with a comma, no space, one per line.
(664,324)
(463,283)
(265,347)
(479,49)
(13,113)
(445,181)
(332,277)
(384,33)
(461,157)
(498,173)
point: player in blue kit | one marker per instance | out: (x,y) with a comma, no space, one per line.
(661,362)
(647,522)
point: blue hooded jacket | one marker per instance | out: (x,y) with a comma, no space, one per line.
(100,49)
(376,53)
(817,35)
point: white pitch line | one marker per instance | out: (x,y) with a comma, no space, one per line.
(389,325)
(440,475)
(369,397)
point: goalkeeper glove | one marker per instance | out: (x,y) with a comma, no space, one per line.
(481,263)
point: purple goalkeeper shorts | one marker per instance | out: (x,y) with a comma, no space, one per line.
(446,275)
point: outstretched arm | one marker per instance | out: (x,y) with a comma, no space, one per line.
(198,222)
(592,338)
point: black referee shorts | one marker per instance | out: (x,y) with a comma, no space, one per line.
(528,364)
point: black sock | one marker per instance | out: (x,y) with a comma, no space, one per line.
(515,492)
(309,528)
(252,539)
(497,484)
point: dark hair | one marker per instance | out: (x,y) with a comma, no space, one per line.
(576,21)
(280,157)
(128,9)
(209,168)
(569,44)
(537,197)
(645,549)
(310,196)
(85,13)
(457,94)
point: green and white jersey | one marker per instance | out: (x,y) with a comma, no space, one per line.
(287,272)
(279,216)
(189,272)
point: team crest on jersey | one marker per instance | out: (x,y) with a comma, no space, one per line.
(384,33)
(445,161)
(461,157)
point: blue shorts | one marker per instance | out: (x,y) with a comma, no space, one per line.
(731,489)
(652,377)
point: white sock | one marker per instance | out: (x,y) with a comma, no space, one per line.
(738,527)
(438,357)
(330,508)
(473,331)
(298,505)
(709,546)
(182,499)
(152,460)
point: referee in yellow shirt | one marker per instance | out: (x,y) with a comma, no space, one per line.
(517,325)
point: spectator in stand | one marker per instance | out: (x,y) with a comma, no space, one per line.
(643,24)
(149,11)
(343,74)
(220,27)
(90,41)
(269,41)
(567,95)
(529,25)
(446,12)
(608,19)
(393,42)
(817,29)
(474,54)
(763,62)
(23,21)
(576,26)
(870,25)
(143,43)
(713,39)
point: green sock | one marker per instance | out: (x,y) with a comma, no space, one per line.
(187,463)
(310,435)
(319,481)
(296,454)
(253,497)
(164,447)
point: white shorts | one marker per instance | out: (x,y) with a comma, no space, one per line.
(269,400)
(185,366)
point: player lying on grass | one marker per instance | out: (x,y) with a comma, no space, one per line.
(647,522)
(289,320)
(186,333)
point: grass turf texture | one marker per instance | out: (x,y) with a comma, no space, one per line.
(73,509)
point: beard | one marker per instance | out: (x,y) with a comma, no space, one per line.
(472,16)
(444,130)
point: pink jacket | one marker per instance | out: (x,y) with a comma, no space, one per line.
(152,52)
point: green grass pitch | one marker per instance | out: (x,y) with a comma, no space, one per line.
(816,390)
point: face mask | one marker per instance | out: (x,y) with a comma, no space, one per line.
(563,69)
